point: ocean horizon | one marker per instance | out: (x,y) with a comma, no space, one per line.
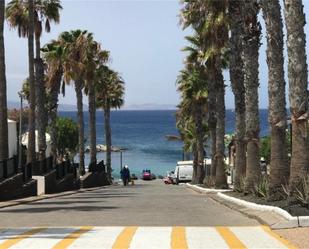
(142,133)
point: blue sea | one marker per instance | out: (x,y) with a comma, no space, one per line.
(143,133)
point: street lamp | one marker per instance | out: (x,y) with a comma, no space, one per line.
(21,95)
(121,160)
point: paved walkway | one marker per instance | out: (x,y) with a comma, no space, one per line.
(141,237)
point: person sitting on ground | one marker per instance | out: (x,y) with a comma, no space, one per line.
(125,174)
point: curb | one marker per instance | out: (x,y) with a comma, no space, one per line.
(252,209)
(206,190)
(17,202)
(290,221)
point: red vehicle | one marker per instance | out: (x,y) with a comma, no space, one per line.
(146,175)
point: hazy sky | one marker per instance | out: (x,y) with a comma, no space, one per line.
(144,39)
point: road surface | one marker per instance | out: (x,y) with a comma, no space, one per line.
(146,215)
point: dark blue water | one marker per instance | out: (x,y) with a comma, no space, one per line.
(143,134)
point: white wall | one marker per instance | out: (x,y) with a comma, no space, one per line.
(12,129)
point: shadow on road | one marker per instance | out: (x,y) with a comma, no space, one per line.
(53,209)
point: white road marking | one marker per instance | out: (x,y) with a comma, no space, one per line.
(204,237)
(152,238)
(98,237)
(256,237)
(144,237)
(45,239)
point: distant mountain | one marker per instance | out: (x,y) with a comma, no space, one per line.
(61,107)
(149,106)
(69,107)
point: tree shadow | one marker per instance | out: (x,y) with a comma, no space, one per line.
(62,208)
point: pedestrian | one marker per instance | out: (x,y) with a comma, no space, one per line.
(125,174)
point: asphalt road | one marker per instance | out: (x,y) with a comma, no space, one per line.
(150,203)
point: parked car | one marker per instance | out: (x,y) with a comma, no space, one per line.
(146,174)
(183,172)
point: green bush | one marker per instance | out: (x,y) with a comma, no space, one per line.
(265,146)
(67,136)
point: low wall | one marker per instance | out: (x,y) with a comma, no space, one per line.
(15,187)
(54,185)
(94,179)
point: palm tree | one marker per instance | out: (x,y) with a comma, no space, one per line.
(192,85)
(4,150)
(298,94)
(195,76)
(251,44)
(44,11)
(209,20)
(31,125)
(53,54)
(95,58)
(194,14)
(237,83)
(279,170)
(109,94)
(76,45)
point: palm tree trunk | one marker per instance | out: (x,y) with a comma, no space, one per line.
(80,116)
(279,170)
(54,92)
(212,123)
(108,139)
(92,124)
(251,39)
(195,165)
(298,94)
(200,174)
(31,122)
(237,83)
(4,148)
(40,100)
(220,132)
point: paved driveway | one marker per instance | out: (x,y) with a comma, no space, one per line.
(144,204)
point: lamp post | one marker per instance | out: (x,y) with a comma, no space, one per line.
(21,95)
(120,160)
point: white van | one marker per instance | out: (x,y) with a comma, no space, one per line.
(183,171)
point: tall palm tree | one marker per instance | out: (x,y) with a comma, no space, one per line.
(237,83)
(76,45)
(193,88)
(96,57)
(251,44)
(279,170)
(4,150)
(194,14)
(109,94)
(31,125)
(195,76)
(298,94)
(53,54)
(45,11)
(209,20)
